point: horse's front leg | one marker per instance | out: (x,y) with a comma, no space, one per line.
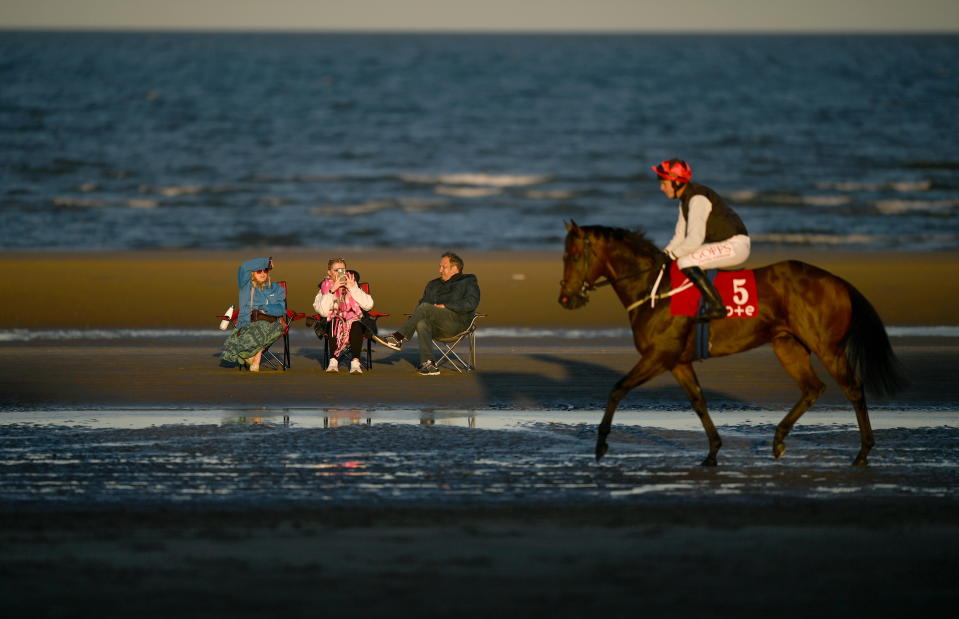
(645,369)
(686,378)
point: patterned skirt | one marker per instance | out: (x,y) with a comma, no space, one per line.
(245,342)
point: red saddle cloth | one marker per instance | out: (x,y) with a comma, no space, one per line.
(737,289)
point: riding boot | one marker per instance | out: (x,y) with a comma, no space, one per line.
(714,304)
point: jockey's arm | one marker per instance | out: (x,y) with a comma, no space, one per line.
(699,209)
(678,234)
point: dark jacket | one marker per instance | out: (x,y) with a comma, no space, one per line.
(723,221)
(460,293)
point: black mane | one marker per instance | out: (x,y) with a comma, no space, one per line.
(636,239)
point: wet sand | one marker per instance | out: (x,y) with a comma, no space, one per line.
(788,552)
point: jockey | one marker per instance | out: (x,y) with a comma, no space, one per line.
(708,235)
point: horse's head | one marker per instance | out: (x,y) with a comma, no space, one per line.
(581,267)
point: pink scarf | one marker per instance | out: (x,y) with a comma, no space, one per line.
(344,313)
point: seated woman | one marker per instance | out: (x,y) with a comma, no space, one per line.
(262,314)
(343,303)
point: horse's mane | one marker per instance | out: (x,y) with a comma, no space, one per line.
(635,239)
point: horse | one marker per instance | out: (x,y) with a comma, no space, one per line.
(803,310)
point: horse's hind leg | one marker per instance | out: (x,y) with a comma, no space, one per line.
(838,366)
(795,358)
(686,378)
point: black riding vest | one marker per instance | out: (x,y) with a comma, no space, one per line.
(723,222)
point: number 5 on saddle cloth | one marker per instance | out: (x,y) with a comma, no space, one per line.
(736,288)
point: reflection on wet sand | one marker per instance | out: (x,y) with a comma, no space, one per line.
(335,418)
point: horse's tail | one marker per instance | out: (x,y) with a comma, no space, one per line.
(869,350)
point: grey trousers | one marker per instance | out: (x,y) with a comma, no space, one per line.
(429,321)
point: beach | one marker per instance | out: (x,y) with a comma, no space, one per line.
(481,517)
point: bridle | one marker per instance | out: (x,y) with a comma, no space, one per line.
(652,297)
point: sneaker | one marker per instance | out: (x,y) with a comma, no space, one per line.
(334,365)
(355,367)
(390,341)
(428,368)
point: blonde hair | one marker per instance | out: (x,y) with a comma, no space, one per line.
(332,261)
(266,283)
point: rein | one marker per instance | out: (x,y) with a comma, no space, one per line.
(652,297)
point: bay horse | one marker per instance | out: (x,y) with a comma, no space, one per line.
(802,310)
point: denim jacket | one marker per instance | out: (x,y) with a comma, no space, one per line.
(271,299)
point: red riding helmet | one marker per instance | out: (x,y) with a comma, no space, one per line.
(674,170)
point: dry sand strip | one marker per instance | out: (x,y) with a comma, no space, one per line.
(188,288)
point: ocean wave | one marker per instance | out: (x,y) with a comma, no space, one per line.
(71,202)
(555,194)
(899,207)
(466,192)
(485,180)
(363,208)
(900,186)
(408,205)
(31,335)
(172,191)
(806,238)
(760,198)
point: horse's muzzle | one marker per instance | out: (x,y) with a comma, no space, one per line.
(573,301)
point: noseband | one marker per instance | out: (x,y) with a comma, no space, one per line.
(585,286)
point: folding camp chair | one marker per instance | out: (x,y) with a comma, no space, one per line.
(283,359)
(323,334)
(446,346)
(269,357)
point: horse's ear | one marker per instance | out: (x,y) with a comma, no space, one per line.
(571,225)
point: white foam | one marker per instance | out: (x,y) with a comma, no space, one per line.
(826,200)
(353,209)
(897,207)
(486,180)
(78,202)
(466,192)
(30,335)
(804,238)
(901,186)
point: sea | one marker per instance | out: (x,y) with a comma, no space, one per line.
(130,140)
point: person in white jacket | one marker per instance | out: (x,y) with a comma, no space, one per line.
(343,302)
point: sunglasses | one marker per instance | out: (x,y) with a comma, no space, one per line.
(262,271)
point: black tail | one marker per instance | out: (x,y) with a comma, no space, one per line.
(869,350)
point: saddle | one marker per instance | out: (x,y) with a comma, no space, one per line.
(737,289)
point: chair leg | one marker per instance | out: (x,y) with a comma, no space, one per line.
(473,350)
(450,355)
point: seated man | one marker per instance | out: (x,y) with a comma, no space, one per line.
(446,309)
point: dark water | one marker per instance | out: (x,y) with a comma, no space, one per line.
(237,140)
(384,457)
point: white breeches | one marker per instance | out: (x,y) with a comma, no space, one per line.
(724,254)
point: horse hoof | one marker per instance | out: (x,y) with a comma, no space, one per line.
(860,461)
(778,450)
(709,461)
(601,449)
